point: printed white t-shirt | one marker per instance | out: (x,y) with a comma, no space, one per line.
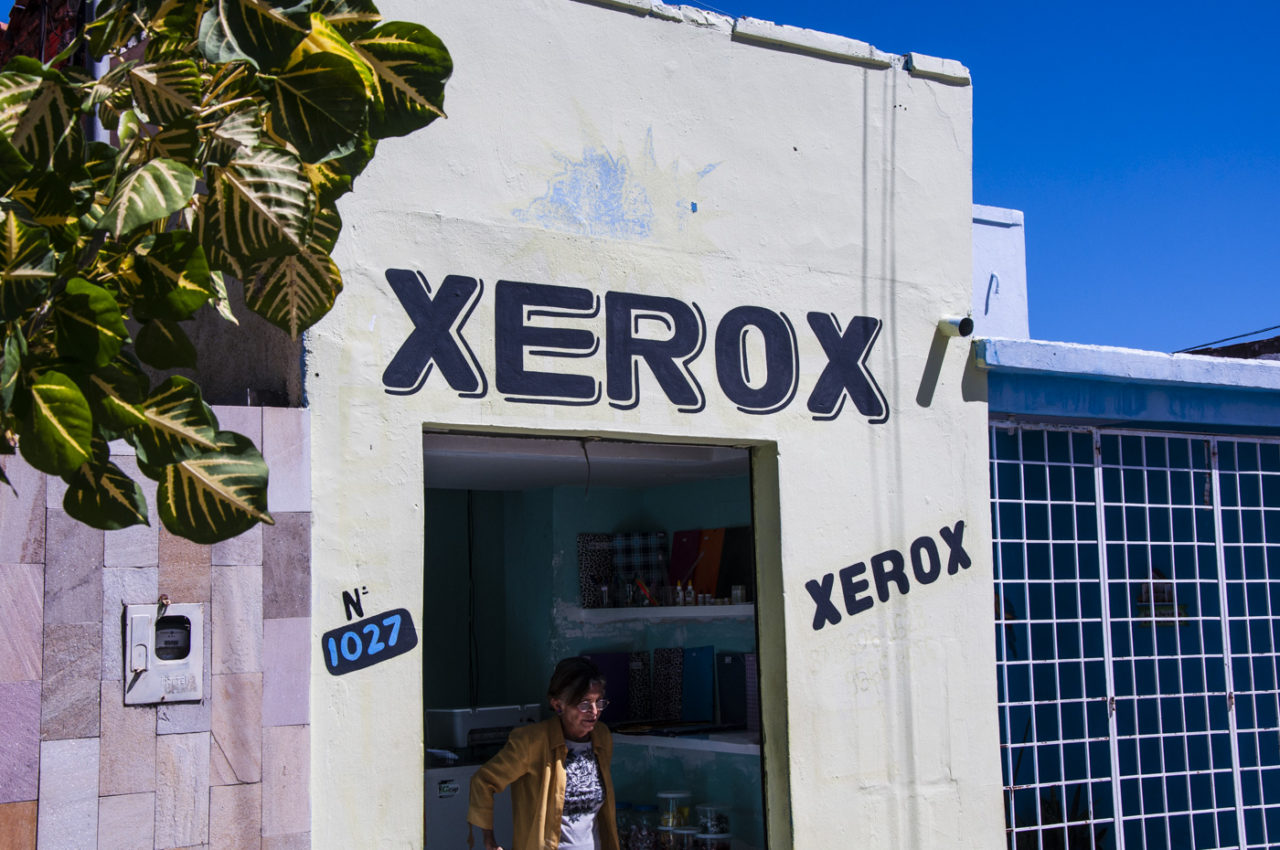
(583,798)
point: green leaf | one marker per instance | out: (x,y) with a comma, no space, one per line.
(334,178)
(215,45)
(263,205)
(15,351)
(49,196)
(115,394)
(179,142)
(293,292)
(101,496)
(351,18)
(12,164)
(163,344)
(266,31)
(51,114)
(326,229)
(117,23)
(215,495)
(154,191)
(88,324)
(178,424)
(57,430)
(16,93)
(411,65)
(240,129)
(26,266)
(319,104)
(173,277)
(166,92)
(221,301)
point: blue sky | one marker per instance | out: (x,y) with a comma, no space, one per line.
(1141,139)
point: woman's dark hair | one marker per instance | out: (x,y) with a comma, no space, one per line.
(573,677)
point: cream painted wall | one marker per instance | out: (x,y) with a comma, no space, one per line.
(821,186)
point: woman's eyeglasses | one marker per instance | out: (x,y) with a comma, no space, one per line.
(599,705)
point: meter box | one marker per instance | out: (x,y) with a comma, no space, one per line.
(163,653)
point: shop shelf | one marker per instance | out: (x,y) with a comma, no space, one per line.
(662,613)
(739,743)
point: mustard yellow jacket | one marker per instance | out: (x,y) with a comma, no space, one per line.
(532,763)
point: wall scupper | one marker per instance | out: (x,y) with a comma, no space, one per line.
(809,42)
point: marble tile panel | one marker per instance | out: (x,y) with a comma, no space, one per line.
(237,610)
(73,571)
(127,822)
(122,586)
(54,492)
(286,446)
(286,777)
(72,684)
(246,549)
(135,546)
(127,754)
(235,751)
(185,572)
(19,741)
(22,610)
(293,841)
(235,817)
(22,514)
(286,671)
(286,566)
(242,420)
(182,790)
(18,826)
(68,814)
(176,718)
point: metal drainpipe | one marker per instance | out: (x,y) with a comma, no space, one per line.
(99,67)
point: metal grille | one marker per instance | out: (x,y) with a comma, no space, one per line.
(1137,717)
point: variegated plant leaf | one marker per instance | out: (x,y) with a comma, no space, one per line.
(16,92)
(163,344)
(50,115)
(215,495)
(13,165)
(351,18)
(167,91)
(411,65)
(88,324)
(173,277)
(221,301)
(116,24)
(57,428)
(15,351)
(240,129)
(294,291)
(266,31)
(178,424)
(115,393)
(319,105)
(154,191)
(101,496)
(326,229)
(264,204)
(214,42)
(26,266)
(334,178)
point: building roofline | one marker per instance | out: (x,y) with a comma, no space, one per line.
(1107,363)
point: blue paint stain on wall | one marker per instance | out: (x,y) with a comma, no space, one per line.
(594,196)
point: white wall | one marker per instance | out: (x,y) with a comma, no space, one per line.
(578,141)
(999,273)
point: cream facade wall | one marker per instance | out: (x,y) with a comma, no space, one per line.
(628,150)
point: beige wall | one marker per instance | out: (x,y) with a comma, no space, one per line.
(830,179)
(80,769)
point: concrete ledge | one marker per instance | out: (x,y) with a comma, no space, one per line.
(1105,363)
(947,71)
(812,42)
(639,7)
(999,216)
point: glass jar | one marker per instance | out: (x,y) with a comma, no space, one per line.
(674,808)
(642,834)
(685,837)
(714,841)
(623,817)
(666,838)
(713,818)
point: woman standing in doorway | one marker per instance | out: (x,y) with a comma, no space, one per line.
(558,770)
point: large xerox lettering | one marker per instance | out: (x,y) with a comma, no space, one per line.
(659,334)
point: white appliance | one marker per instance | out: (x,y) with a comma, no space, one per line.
(447,792)
(466,731)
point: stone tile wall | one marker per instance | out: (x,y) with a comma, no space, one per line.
(78,768)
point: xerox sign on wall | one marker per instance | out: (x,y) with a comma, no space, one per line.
(660,225)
